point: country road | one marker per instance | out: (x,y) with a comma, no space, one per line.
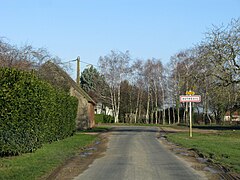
(134,153)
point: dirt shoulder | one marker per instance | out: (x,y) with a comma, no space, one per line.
(79,163)
(204,166)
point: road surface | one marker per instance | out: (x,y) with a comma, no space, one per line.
(134,153)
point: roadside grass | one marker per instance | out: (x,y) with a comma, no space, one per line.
(44,160)
(222,147)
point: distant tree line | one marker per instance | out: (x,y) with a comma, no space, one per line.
(146,91)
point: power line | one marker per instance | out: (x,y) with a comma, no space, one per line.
(89,63)
(80,61)
(67,61)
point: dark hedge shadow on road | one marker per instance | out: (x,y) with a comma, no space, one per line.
(134,129)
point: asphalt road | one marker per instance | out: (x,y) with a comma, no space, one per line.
(134,153)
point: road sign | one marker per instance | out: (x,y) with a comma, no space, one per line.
(194,98)
(190,92)
(190,98)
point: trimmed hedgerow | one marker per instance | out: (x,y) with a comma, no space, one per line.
(32,112)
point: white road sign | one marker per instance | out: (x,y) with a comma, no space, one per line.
(187,98)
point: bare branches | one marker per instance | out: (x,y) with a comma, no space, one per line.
(115,67)
(213,68)
(25,57)
(222,49)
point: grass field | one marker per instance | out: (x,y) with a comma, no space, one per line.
(44,160)
(221,147)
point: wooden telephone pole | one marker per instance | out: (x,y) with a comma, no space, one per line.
(78,71)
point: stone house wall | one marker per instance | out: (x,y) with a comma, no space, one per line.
(60,79)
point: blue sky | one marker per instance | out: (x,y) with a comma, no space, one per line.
(92,28)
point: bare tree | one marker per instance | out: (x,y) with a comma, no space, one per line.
(137,69)
(114,67)
(25,57)
(223,51)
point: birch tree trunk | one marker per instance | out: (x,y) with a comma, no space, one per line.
(169,115)
(112,101)
(173,112)
(148,104)
(156,103)
(118,105)
(163,101)
(152,110)
(140,104)
(137,107)
(177,100)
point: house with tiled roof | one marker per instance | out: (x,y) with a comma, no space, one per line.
(57,77)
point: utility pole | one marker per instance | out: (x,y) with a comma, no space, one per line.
(78,71)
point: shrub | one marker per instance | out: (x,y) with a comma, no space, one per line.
(98,118)
(102,118)
(108,119)
(32,112)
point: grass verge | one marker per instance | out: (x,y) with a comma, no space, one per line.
(222,147)
(44,160)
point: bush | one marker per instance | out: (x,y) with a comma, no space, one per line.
(98,118)
(108,119)
(32,112)
(102,118)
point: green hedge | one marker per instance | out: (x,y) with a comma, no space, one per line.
(102,118)
(32,112)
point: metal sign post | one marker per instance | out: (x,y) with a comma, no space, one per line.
(190,119)
(190,97)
